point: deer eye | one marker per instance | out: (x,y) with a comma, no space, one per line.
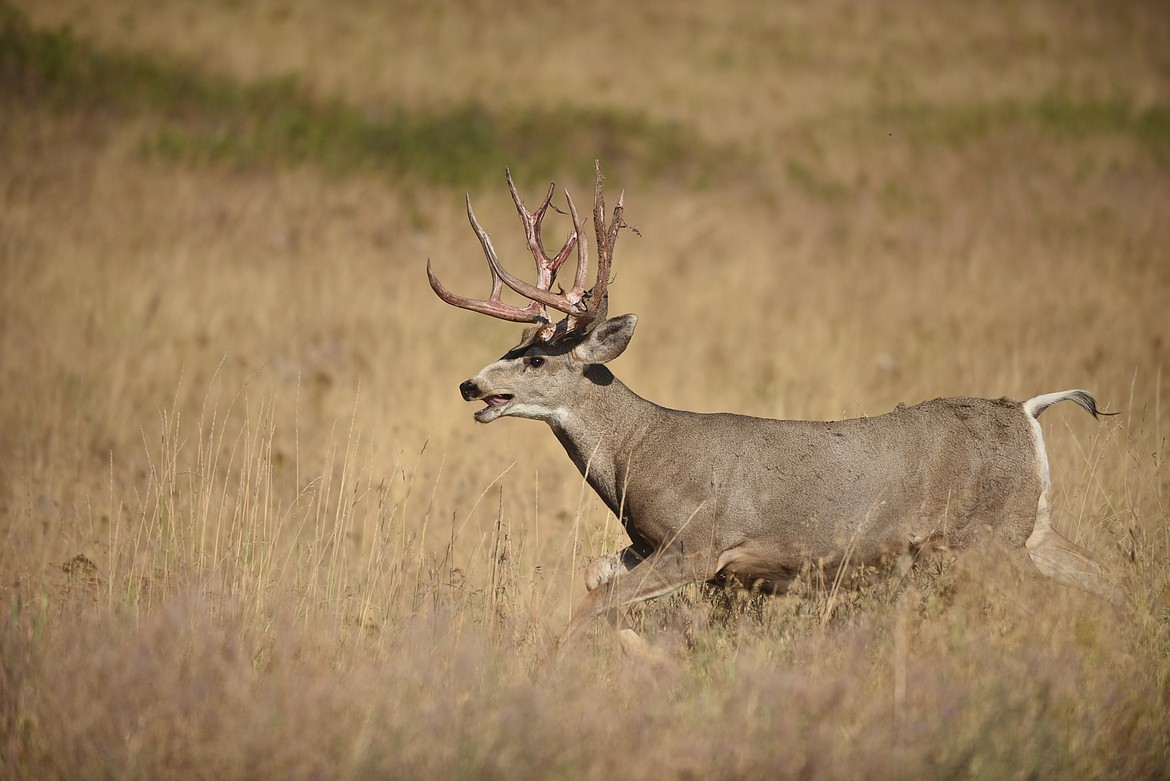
(534,361)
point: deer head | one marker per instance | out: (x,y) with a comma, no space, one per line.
(541,377)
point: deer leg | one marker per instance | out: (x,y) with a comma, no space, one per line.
(1069,564)
(601,571)
(605,568)
(660,573)
(1066,562)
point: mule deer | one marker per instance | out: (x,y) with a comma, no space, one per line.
(748,500)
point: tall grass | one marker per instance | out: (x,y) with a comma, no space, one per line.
(242,627)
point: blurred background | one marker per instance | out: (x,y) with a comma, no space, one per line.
(222,365)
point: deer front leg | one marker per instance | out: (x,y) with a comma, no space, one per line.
(660,573)
(605,568)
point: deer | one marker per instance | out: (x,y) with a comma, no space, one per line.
(748,501)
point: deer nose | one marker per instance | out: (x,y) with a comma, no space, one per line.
(468,389)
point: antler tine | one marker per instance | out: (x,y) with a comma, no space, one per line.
(546,267)
(606,237)
(493,305)
(582,251)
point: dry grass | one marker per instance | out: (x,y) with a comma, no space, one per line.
(249,530)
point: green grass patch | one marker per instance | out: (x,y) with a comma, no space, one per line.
(1054,116)
(813,181)
(207,119)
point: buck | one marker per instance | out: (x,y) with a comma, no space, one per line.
(744,500)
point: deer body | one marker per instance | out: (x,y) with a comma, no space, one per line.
(750,500)
(764,497)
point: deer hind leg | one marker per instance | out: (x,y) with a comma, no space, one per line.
(1063,560)
(664,571)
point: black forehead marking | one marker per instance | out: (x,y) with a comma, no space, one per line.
(515,352)
(557,347)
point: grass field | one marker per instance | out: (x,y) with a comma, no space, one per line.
(248,529)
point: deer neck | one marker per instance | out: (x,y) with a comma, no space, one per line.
(601,433)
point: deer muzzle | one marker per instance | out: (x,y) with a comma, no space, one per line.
(494,403)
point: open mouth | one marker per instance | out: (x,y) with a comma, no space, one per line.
(497,399)
(493,406)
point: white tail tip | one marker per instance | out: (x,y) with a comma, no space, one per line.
(1083,398)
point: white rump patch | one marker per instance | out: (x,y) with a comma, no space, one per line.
(1043,509)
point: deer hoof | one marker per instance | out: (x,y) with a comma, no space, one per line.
(602,570)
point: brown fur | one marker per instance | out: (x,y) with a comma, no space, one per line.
(731,497)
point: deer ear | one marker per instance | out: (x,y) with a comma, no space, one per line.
(606,341)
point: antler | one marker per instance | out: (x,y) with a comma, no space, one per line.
(606,237)
(583,308)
